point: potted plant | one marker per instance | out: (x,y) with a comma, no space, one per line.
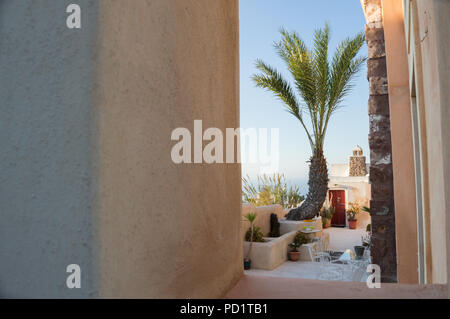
(258,235)
(365,239)
(351,216)
(299,240)
(251,218)
(327,214)
(365,244)
(359,251)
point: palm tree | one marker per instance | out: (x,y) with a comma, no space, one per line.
(322,85)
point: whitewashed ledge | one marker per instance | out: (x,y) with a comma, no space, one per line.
(270,254)
(287,226)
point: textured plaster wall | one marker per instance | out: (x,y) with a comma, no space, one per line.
(272,253)
(262,217)
(86,175)
(435,63)
(442,12)
(167,230)
(46,139)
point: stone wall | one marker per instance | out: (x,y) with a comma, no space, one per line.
(381,174)
(358,166)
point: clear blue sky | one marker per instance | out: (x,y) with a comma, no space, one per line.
(260,21)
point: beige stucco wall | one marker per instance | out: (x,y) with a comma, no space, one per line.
(431,47)
(262,216)
(442,13)
(270,254)
(287,226)
(166,230)
(402,141)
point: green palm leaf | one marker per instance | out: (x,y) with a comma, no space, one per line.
(321,84)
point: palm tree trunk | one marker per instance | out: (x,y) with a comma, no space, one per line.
(318,187)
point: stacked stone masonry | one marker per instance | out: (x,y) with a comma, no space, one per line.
(358,166)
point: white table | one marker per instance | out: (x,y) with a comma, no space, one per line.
(357,266)
(311,232)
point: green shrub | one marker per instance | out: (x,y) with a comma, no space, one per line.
(327,213)
(257,235)
(271,190)
(299,239)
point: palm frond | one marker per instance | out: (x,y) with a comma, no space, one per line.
(322,72)
(345,65)
(300,64)
(270,79)
(321,85)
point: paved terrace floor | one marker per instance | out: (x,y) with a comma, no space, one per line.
(298,280)
(341,239)
(264,287)
(309,270)
(344,238)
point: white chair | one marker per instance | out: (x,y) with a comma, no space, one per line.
(317,251)
(328,269)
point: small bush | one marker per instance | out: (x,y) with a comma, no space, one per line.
(257,235)
(327,213)
(299,239)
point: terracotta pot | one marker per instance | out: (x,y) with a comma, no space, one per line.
(294,255)
(327,223)
(352,224)
(247,264)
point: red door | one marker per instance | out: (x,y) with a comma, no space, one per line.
(338,202)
